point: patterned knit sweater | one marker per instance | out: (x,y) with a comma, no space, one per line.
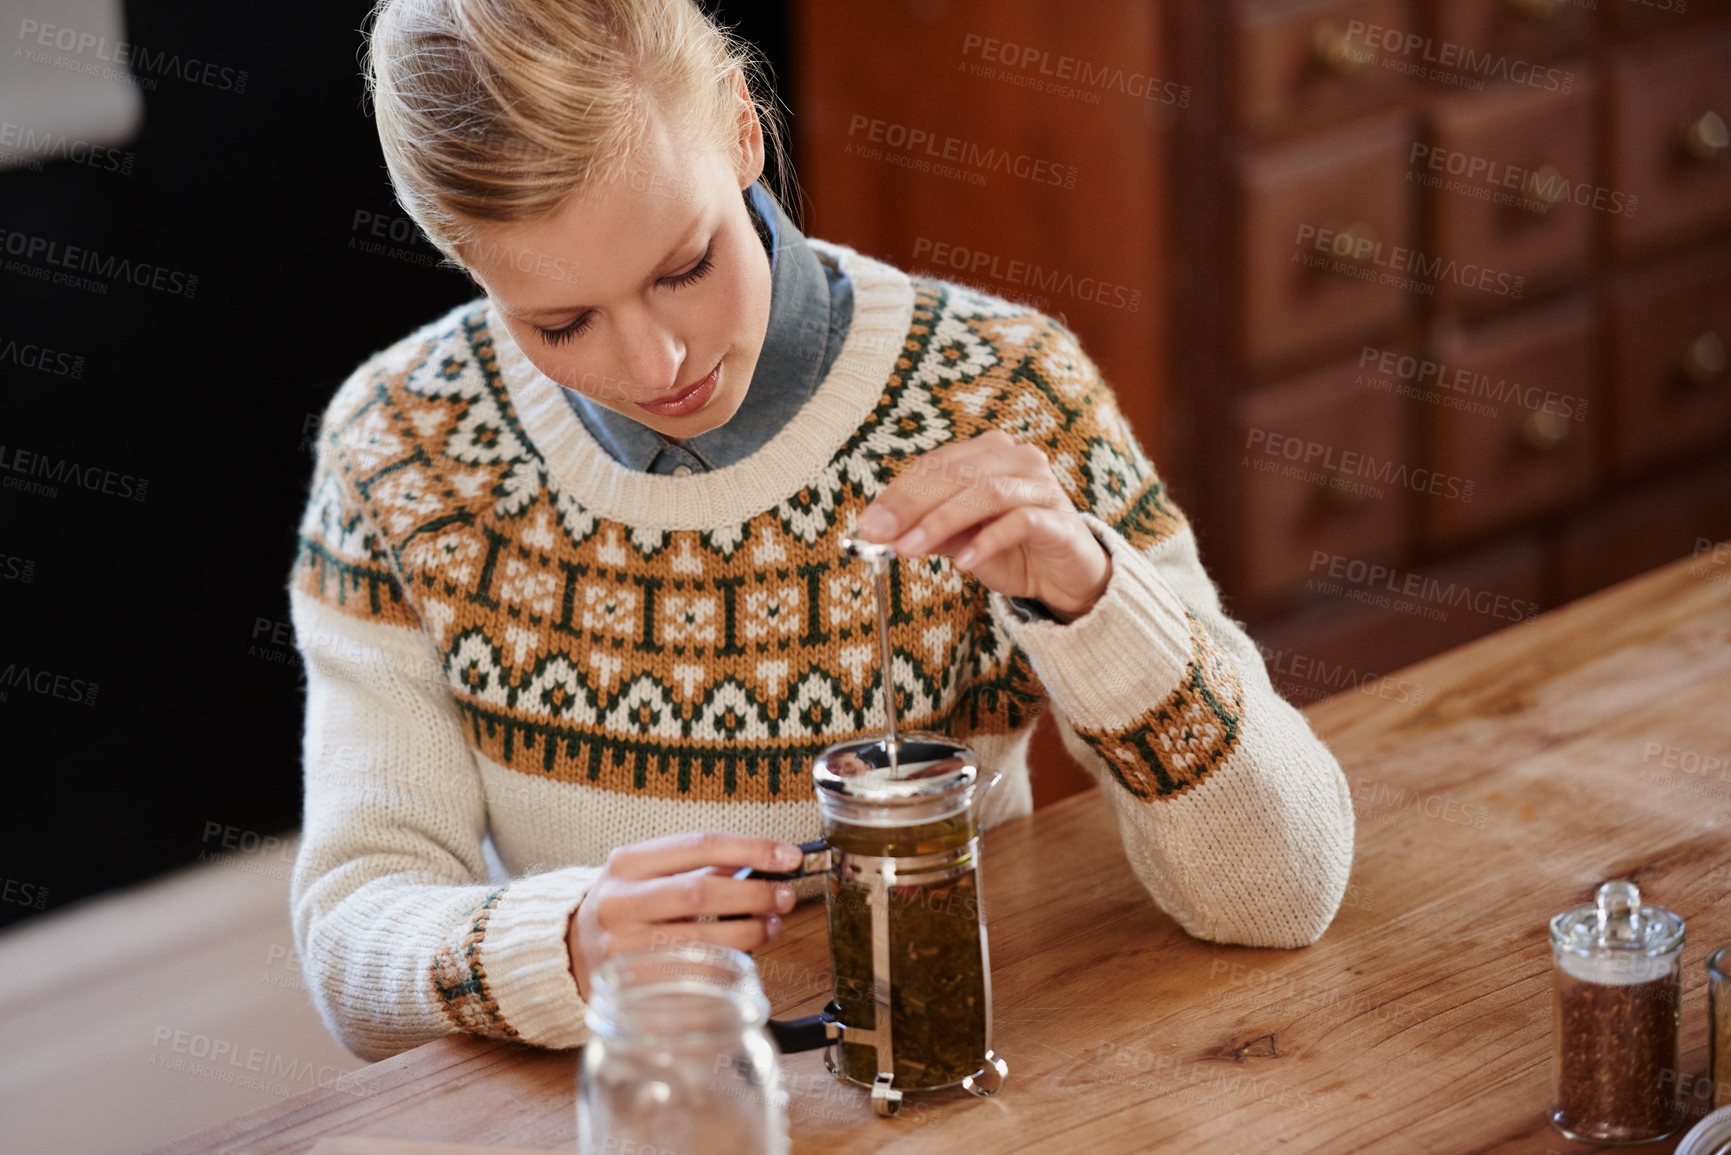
(511,639)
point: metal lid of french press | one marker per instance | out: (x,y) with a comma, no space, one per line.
(1600,941)
(923,767)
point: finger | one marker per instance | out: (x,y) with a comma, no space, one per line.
(676,853)
(956,542)
(746,934)
(698,893)
(1038,528)
(928,480)
(990,499)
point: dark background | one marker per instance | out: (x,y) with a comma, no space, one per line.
(175,606)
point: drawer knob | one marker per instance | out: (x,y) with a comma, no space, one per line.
(1335,51)
(1342,491)
(1544,430)
(1535,9)
(1354,244)
(1704,359)
(1543,190)
(1706,138)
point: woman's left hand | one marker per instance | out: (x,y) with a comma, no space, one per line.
(994,505)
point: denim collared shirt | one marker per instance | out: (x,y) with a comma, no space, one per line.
(810,307)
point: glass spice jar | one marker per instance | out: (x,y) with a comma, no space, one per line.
(1719,1025)
(1617,968)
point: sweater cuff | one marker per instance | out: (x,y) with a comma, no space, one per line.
(1132,646)
(524,953)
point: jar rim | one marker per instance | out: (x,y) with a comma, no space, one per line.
(717,989)
(925,767)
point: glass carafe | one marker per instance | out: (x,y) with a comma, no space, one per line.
(912,1006)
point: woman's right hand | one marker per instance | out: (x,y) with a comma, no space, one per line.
(649,892)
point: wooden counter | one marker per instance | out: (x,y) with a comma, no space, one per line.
(1529,767)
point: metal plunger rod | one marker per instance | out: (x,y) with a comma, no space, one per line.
(879,556)
(881,568)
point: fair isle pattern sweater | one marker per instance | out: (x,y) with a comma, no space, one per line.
(510,636)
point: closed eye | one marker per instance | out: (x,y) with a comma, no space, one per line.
(581,325)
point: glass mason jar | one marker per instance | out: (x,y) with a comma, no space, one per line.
(902,824)
(679,1058)
(1719,1025)
(1617,967)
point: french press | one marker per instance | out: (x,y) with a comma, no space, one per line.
(912,1005)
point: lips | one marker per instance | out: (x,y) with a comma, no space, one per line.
(688,400)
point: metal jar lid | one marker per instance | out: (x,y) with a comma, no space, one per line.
(923,769)
(1711,1136)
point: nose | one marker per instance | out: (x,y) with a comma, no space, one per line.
(651,353)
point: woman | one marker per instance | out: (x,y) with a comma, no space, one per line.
(570,594)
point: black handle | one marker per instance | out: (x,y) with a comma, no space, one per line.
(806,849)
(815,846)
(807,1034)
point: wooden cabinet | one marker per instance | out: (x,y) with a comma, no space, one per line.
(1643,17)
(1523,30)
(1320,232)
(1366,621)
(1643,527)
(1421,245)
(1511,420)
(1315,457)
(1669,328)
(1670,104)
(1297,65)
(1511,183)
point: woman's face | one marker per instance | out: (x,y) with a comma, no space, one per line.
(648,294)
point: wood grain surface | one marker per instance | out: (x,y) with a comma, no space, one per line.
(1495,785)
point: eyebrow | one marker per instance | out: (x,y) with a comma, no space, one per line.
(697,227)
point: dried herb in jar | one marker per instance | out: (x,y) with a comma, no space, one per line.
(1617,1046)
(937,963)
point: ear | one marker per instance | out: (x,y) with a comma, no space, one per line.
(748,151)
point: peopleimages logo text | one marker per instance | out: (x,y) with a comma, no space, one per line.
(1350,465)
(26,146)
(1361,257)
(141,60)
(927,145)
(28,355)
(93,478)
(1417,51)
(82,260)
(1460,379)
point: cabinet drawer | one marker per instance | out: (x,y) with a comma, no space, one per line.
(1514,415)
(1670,105)
(1511,187)
(1646,16)
(1670,389)
(1298,466)
(1299,64)
(1520,31)
(1300,207)
(1644,528)
(1362,637)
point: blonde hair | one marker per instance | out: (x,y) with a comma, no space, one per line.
(501,110)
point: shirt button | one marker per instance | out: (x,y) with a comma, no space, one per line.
(682,471)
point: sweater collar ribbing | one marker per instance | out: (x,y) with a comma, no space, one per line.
(793,459)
